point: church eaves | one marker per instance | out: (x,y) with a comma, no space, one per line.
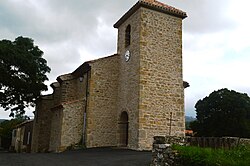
(153,5)
(85,67)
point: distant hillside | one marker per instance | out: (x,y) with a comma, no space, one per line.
(1,120)
(189,118)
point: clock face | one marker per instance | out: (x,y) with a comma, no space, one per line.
(127,55)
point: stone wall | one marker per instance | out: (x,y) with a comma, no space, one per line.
(66,125)
(67,119)
(57,98)
(150,84)
(72,124)
(43,119)
(72,88)
(161,83)
(163,154)
(59,116)
(21,142)
(128,89)
(217,142)
(102,102)
(56,129)
(42,124)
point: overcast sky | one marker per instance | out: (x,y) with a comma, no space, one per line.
(216,38)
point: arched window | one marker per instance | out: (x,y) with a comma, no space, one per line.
(127,36)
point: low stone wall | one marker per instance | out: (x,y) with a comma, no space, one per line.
(164,155)
(244,141)
(217,142)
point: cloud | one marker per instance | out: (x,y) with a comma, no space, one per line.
(216,48)
(216,41)
(206,16)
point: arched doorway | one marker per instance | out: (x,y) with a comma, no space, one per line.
(123,127)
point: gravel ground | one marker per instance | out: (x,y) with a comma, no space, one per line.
(88,157)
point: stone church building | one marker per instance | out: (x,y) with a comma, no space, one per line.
(124,99)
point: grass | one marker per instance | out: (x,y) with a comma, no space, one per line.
(196,156)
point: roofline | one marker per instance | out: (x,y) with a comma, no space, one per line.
(140,3)
(109,56)
(55,85)
(85,67)
(25,122)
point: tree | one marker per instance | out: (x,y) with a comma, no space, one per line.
(223,113)
(22,74)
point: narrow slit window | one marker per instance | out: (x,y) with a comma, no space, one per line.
(127,36)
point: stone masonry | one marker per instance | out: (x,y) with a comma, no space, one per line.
(112,101)
(151,85)
(59,117)
(102,107)
(161,84)
(128,88)
(42,124)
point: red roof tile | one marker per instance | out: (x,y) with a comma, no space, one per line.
(154,5)
(164,6)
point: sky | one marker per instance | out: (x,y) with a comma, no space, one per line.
(216,38)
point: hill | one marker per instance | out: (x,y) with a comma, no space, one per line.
(189,118)
(1,120)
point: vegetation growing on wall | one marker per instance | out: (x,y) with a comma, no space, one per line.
(196,156)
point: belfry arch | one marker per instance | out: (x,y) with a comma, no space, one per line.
(128,36)
(123,129)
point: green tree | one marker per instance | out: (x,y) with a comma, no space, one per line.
(223,113)
(22,74)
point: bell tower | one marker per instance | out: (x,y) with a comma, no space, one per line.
(150,90)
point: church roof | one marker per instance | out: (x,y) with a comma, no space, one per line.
(86,66)
(154,5)
(170,9)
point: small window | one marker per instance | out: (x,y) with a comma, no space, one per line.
(127,36)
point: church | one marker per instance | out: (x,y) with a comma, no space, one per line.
(125,99)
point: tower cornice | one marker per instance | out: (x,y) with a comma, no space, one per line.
(153,5)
